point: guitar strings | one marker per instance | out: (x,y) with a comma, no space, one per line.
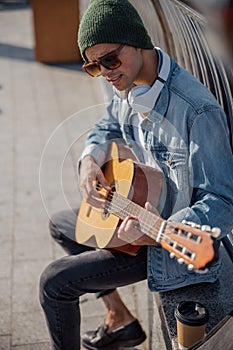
(114,197)
(110,199)
(148,227)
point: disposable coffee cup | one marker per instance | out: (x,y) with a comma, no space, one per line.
(191,319)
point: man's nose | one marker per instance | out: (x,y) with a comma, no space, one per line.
(104,71)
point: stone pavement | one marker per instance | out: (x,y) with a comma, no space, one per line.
(44,115)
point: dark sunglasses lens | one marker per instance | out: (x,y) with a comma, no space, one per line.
(110,62)
(93,69)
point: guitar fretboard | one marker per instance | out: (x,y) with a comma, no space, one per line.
(122,207)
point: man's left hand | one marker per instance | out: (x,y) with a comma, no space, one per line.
(129,230)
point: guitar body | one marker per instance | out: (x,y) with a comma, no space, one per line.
(139,183)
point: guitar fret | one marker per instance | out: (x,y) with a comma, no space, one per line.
(123,207)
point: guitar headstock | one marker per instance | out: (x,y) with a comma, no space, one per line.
(190,243)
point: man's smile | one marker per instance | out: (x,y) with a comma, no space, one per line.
(114,80)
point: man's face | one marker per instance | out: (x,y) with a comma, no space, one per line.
(129,70)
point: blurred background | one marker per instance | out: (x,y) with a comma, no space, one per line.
(47,105)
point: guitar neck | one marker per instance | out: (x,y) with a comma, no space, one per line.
(189,244)
(122,207)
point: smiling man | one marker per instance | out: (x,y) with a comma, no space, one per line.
(170,121)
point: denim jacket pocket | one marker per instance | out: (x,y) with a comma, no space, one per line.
(174,165)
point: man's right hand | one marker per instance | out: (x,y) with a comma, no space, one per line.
(90,172)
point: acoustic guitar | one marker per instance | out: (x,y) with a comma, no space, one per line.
(132,185)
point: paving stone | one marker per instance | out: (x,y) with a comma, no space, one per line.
(38,346)
(29,328)
(5,342)
(5,293)
(27,248)
(5,322)
(26,297)
(28,271)
(6,264)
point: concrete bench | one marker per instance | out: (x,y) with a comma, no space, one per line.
(217,298)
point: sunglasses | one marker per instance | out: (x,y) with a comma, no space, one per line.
(109,61)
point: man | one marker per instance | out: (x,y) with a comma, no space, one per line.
(167,118)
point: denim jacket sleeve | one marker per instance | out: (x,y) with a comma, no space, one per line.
(211,171)
(105,130)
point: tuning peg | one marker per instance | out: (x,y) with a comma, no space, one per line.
(197,226)
(191,223)
(206,228)
(186,222)
(190,267)
(180,261)
(172,255)
(215,232)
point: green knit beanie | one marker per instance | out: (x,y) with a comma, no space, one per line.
(112,21)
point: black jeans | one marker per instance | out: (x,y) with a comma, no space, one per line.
(86,270)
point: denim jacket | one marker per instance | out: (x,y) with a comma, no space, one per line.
(186,133)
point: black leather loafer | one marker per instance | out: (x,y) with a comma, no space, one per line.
(126,336)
